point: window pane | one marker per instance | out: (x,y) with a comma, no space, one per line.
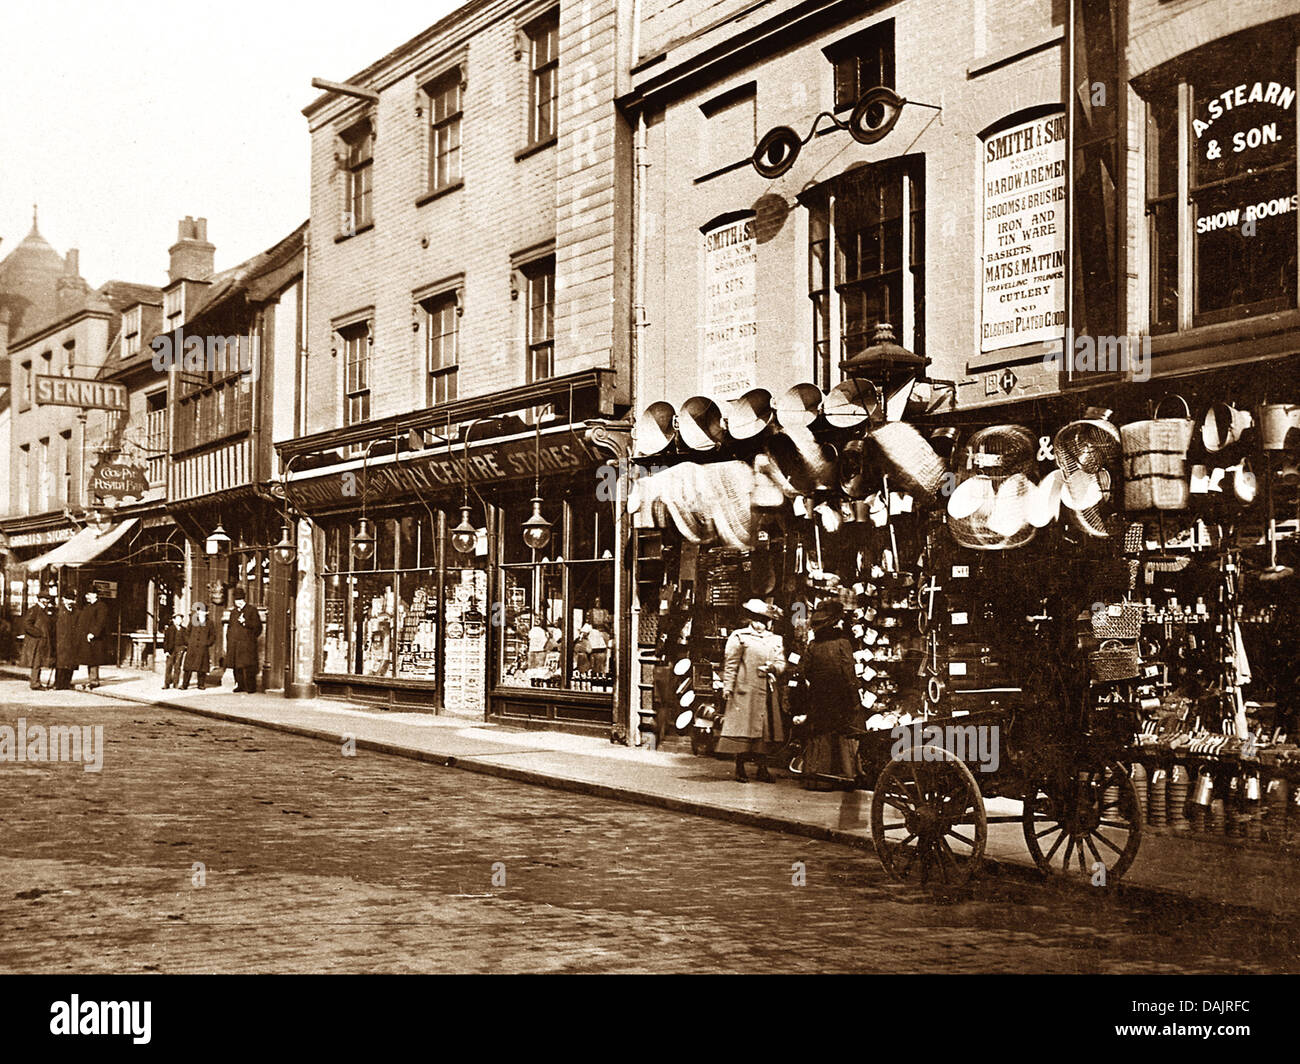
(591,589)
(1164,266)
(373,624)
(1235,268)
(417,624)
(466,644)
(334,653)
(533,636)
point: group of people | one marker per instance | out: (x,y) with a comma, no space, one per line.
(754,687)
(188,646)
(66,636)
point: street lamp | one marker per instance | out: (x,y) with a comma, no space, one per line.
(363,541)
(464,537)
(537,530)
(286,549)
(218,542)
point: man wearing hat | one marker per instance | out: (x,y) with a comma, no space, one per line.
(92,636)
(174,640)
(752,724)
(199,638)
(38,632)
(830,759)
(242,630)
(67,648)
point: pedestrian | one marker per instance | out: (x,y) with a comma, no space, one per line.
(93,638)
(242,630)
(200,637)
(174,640)
(6,636)
(832,700)
(38,636)
(67,646)
(753,659)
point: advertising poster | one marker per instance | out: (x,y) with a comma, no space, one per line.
(729,359)
(1024,234)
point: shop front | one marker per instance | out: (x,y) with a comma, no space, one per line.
(438,587)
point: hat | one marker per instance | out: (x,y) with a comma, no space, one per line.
(827,612)
(238,592)
(201,606)
(758,608)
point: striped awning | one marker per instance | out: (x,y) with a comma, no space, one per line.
(85,546)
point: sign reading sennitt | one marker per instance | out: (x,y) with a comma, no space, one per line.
(73,391)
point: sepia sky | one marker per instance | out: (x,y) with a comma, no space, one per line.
(118,119)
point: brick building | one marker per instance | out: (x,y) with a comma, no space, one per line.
(467,317)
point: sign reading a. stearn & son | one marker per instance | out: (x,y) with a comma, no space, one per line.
(1024,234)
(74,391)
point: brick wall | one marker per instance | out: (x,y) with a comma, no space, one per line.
(508,204)
(795,82)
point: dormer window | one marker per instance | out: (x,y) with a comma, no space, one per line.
(131,320)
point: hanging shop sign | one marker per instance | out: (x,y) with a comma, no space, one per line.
(1024,234)
(73,391)
(106,589)
(729,359)
(113,482)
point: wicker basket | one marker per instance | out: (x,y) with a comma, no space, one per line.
(1114,661)
(913,464)
(1155,461)
(1126,624)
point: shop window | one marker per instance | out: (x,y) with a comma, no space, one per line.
(442,340)
(444,130)
(557,609)
(866,262)
(543,81)
(358,164)
(1232,206)
(541,319)
(862,62)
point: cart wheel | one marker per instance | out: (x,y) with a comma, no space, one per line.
(927,818)
(1091,817)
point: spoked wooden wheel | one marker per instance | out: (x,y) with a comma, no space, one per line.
(927,818)
(1082,820)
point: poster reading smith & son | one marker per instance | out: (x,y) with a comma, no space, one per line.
(1024,234)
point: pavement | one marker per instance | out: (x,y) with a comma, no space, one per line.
(1223,871)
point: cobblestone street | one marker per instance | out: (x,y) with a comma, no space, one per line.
(319,862)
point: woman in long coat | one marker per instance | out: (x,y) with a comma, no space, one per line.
(830,758)
(199,639)
(751,725)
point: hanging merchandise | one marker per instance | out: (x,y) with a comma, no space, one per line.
(750,415)
(1279,426)
(1223,426)
(1155,460)
(1045,502)
(1089,452)
(654,429)
(913,463)
(801,462)
(1114,661)
(799,406)
(990,458)
(699,424)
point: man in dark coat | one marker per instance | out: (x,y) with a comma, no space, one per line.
(174,640)
(38,634)
(67,644)
(93,637)
(200,637)
(242,630)
(834,705)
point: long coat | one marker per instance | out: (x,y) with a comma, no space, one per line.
(833,699)
(67,628)
(242,630)
(93,620)
(754,703)
(38,633)
(198,641)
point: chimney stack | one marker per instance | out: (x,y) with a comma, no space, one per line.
(70,290)
(191,255)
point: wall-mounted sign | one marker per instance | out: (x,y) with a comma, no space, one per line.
(106,589)
(729,337)
(74,391)
(41,539)
(1024,234)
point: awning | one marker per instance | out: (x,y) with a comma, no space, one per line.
(85,546)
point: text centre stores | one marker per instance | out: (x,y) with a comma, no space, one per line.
(438,585)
